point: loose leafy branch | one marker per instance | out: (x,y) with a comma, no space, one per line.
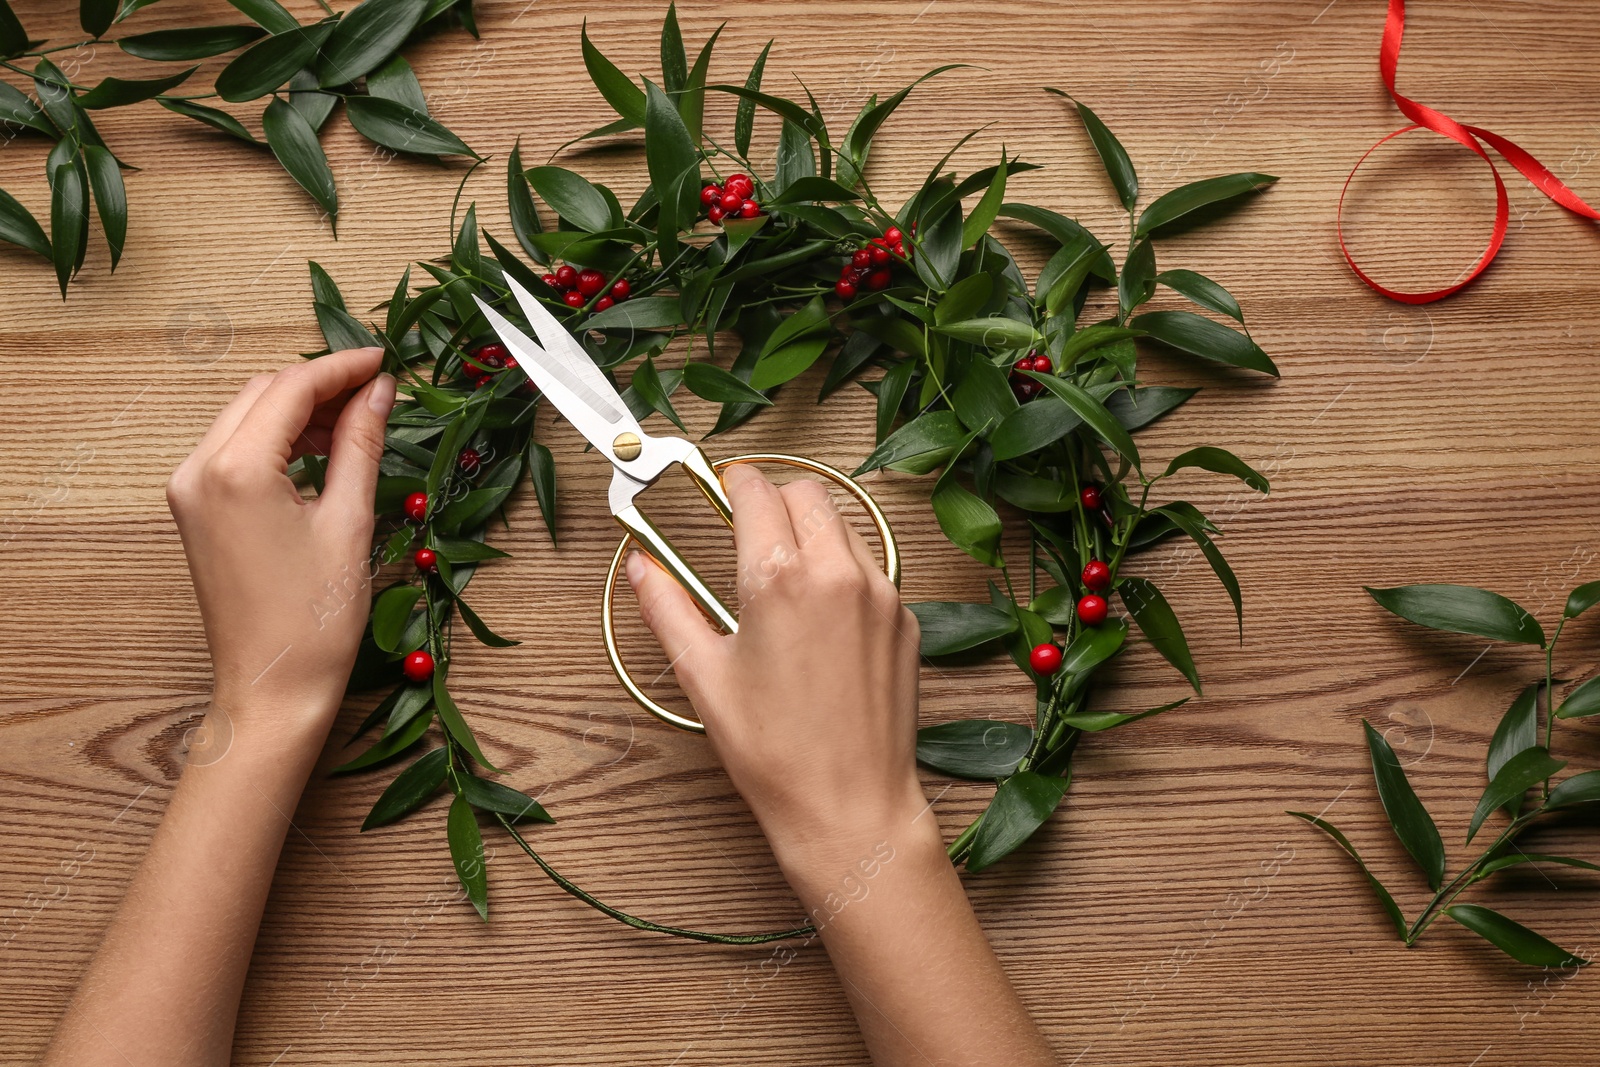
(1024,405)
(1515,763)
(302,71)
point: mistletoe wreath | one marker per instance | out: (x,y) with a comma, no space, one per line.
(986,377)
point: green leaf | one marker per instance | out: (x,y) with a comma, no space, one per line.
(457,727)
(572,197)
(1093,646)
(1065,230)
(1500,863)
(15,107)
(341,330)
(1520,773)
(1137,408)
(795,163)
(1582,701)
(977,224)
(790,110)
(788,362)
(993,333)
(1031,427)
(710,382)
(395,80)
(967,520)
(524,217)
(1159,624)
(1384,897)
(919,446)
(211,116)
(391,613)
(96,16)
(269,14)
(984,399)
(1462,609)
(1518,731)
(410,789)
(949,626)
(389,745)
(294,142)
(69,208)
(963,300)
(268,64)
(674,62)
(1581,600)
(744,119)
(1137,282)
(14,39)
(670,153)
(692,101)
(1201,290)
(1191,522)
(119,92)
(1199,336)
(939,251)
(979,749)
(542,471)
(492,796)
(1185,199)
(19,227)
(1092,412)
(1094,722)
(396,126)
(1219,461)
(466,852)
(199,42)
(641,313)
(854,154)
(480,630)
(368,35)
(1579,789)
(110,197)
(1020,806)
(1512,938)
(1119,168)
(891,394)
(648,385)
(625,98)
(1411,822)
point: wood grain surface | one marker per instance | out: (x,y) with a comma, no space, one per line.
(1172,913)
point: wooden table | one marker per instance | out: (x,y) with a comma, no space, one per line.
(1173,913)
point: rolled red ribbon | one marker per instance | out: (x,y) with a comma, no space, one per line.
(1426,118)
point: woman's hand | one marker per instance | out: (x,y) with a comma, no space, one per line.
(283,582)
(812,705)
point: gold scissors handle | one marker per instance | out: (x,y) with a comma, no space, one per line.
(642,531)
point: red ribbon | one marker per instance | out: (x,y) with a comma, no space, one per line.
(1426,118)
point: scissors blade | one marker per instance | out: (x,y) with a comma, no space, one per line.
(598,414)
(568,359)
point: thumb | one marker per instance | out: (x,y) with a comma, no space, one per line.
(352,479)
(671,615)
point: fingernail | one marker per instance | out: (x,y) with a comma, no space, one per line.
(738,474)
(382,395)
(635,568)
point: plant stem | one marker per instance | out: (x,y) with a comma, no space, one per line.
(1549,696)
(1450,890)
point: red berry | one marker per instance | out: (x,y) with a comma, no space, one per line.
(603,303)
(472,371)
(1042,364)
(548,279)
(621,290)
(511,362)
(846,289)
(715,213)
(879,279)
(900,249)
(469,460)
(861,257)
(485,381)
(1097,576)
(1092,610)
(492,355)
(417,506)
(880,256)
(1045,659)
(575,299)
(741,184)
(417,667)
(566,276)
(710,193)
(426,559)
(749,209)
(893,235)
(591,282)
(731,201)
(1090,497)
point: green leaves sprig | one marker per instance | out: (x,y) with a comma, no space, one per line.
(1516,762)
(301,71)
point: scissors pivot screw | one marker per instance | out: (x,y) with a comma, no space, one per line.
(627,446)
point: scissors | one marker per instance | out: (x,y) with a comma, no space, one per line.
(563,371)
